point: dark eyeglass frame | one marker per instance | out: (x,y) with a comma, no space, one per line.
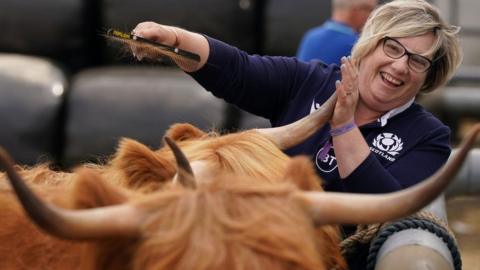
(409,54)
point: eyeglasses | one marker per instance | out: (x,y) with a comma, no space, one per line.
(395,50)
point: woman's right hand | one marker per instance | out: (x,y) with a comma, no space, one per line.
(175,37)
(167,35)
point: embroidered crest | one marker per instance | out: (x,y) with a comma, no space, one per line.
(387,145)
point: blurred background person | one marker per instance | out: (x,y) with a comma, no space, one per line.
(336,37)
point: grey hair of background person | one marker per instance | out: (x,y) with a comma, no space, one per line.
(349,3)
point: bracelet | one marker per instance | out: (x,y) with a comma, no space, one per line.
(343,129)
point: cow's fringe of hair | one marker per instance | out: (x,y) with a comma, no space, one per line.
(261,159)
(249,225)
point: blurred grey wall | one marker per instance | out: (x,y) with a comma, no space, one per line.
(464,13)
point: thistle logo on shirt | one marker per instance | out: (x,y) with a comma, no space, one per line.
(387,145)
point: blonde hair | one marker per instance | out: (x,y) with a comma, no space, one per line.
(408,18)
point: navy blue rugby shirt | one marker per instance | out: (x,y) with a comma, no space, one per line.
(407,144)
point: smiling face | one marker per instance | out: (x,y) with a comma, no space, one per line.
(386,83)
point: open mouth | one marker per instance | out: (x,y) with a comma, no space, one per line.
(390,80)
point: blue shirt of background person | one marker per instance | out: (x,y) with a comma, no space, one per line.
(336,37)
(328,42)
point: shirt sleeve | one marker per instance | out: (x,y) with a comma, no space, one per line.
(261,85)
(413,167)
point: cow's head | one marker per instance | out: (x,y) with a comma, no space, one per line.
(231,222)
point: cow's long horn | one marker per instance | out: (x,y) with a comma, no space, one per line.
(99,223)
(184,170)
(292,134)
(342,208)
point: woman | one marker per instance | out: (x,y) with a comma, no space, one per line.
(379,140)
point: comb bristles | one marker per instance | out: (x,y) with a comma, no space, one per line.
(183,59)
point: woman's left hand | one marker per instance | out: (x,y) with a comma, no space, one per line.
(347,94)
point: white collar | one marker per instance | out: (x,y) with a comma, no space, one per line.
(384,118)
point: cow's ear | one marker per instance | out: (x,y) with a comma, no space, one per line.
(142,168)
(182,132)
(90,190)
(300,171)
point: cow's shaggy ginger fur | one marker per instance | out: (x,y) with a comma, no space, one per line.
(244,218)
(225,226)
(228,223)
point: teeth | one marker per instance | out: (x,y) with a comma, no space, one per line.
(391,79)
